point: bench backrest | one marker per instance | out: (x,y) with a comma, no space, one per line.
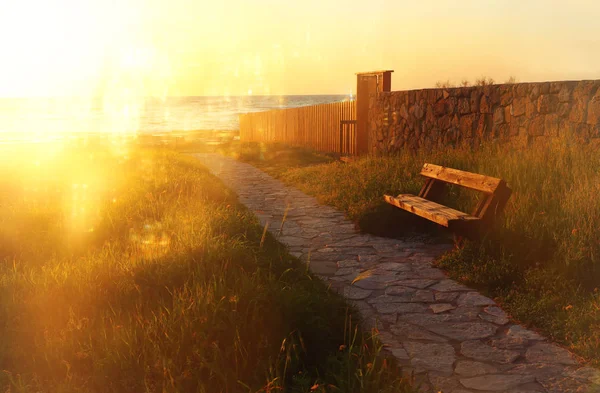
(465,179)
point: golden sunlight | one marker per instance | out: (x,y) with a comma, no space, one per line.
(193,196)
(53,48)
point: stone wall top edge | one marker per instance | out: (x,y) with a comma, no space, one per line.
(488,86)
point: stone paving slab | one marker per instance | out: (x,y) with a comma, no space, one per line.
(451,338)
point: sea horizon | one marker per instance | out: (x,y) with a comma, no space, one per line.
(77,114)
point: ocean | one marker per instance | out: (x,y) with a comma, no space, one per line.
(20,118)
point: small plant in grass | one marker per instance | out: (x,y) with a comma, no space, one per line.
(358,365)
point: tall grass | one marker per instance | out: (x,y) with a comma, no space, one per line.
(542,258)
(137,271)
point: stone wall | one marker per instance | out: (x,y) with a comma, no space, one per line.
(521,113)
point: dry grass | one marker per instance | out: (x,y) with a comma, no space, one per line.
(128,270)
(542,259)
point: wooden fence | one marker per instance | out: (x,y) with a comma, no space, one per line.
(317,127)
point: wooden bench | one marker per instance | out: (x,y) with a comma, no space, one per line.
(495,194)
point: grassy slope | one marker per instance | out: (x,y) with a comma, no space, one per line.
(137,271)
(541,261)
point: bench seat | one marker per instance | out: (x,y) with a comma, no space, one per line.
(432,211)
(494,195)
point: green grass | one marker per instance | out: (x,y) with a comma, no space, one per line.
(541,261)
(131,270)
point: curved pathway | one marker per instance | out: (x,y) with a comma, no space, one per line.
(451,338)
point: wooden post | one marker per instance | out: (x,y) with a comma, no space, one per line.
(368,84)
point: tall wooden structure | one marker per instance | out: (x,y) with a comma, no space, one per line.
(367,84)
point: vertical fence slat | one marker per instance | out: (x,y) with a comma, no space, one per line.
(317,127)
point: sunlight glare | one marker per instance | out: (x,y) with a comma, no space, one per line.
(87,56)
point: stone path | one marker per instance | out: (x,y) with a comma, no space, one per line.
(452,338)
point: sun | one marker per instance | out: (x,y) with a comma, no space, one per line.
(93,51)
(67,47)
(52,46)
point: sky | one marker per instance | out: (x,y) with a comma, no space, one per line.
(235,47)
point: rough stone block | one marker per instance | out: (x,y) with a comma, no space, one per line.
(584,89)
(494,95)
(577,113)
(506,98)
(438,94)
(520,120)
(593,110)
(411,121)
(547,103)
(536,126)
(564,95)
(563,110)
(441,307)
(444,122)
(499,115)
(479,351)
(474,100)
(531,108)
(411,97)
(468,124)
(421,95)
(551,124)
(464,92)
(502,131)
(555,87)
(418,111)
(437,357)
(403,112)
(498,382)
(474,299)
(484,105)
(518,106)
(464,106)
(507,116)
(535,92)
(514,129)
(405,98)
(451,136)
(439,108)
(484,125)
(451,105)
(521,90)
(549,353)
(545,88)
(455,121)
(432,96)
(469,368)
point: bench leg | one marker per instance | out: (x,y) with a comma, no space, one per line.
(459,241)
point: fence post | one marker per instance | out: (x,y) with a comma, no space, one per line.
(367,85)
